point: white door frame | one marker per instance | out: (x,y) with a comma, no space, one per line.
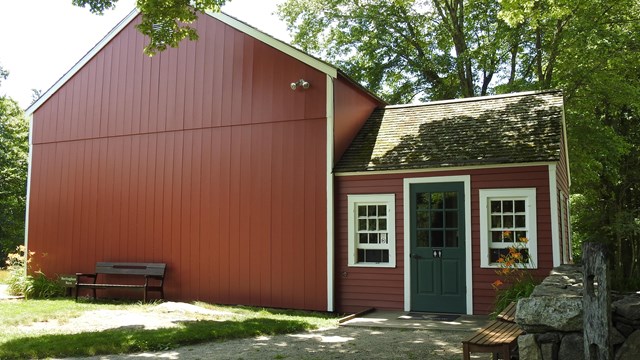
(466,180)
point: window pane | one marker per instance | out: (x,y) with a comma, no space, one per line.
(362,224)
(451,220)
(382,210)
(507,221)
(371,210)
(507,206)
(383,238)
(496,206)
(422,200)
(372,224)
(496,221)
(423,219)
(382,224)
(496,236)
(437,200)
(373,255)
(521,221)
(519,205)
(385,256)
(360,255)
(437,220)
(494,254)
(362,210)
(520,235)
(451,239)
(373,238)
(422,238)
(451,200)
(437,238)
(362,238)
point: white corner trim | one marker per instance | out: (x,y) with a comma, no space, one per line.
(276,44)
(566,146)
(83,61)
(553,205)
(330,200)
(406,204)
(29,165)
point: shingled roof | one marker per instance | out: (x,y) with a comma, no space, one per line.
(513,128)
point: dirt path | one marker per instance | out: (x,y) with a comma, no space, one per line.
(336,343)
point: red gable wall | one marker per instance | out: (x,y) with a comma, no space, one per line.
(201,157)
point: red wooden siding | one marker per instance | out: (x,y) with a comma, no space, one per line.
(201,157)
(562,180)
(352,108)
(382,288)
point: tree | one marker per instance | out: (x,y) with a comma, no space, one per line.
(438,49)
(14,147)
(165,22)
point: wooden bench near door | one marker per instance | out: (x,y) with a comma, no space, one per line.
(152,273)
(499,337)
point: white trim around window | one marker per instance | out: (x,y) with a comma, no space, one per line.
(372,226)
(523,221)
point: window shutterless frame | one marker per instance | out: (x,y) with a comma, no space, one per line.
(506,215)
(371,228)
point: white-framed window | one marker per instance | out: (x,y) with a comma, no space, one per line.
(507,216)
(372,224)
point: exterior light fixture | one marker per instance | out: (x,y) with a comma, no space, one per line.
(302,82)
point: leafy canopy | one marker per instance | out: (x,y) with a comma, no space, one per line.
(14,147)
(165,22)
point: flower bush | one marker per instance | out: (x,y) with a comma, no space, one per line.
(24,280)
(515,281)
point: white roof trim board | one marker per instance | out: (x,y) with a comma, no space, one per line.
(234,23)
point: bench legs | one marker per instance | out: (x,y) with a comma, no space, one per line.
(503,350)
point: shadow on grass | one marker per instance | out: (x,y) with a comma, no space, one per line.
(126,340)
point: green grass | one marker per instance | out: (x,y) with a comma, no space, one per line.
(246,322)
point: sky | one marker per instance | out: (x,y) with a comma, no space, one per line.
(41,39)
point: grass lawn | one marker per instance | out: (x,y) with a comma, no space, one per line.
(246,322)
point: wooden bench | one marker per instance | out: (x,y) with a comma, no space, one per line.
(499,337)
(153,274)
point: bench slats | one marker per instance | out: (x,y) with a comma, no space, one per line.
(152,273)
(499,336)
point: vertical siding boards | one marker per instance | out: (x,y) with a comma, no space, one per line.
(383,288)
(197,157)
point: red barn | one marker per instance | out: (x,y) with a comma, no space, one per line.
(320,197)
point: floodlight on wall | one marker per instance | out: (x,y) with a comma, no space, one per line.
(302,83)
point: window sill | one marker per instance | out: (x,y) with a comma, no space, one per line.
(373,265)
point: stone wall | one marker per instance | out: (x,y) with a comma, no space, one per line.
(553,320)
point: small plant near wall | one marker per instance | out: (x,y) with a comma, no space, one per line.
(515,281)
(25,280)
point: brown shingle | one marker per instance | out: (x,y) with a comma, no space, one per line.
(514,128)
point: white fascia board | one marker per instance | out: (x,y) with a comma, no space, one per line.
(276,44)
(82,62)
(566,147)
(330,199)
(443,169)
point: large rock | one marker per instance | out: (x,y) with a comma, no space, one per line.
(572,347)
(548,313)
(631,348)
(528,347)
(628,307)
(616,337)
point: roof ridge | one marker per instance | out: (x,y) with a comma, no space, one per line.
(475,98)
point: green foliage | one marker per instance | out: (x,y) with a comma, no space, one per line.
(14,148)
(166,23)
(515,280)
(247,322)
(24,280)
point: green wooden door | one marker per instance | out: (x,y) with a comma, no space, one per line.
(437,253)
